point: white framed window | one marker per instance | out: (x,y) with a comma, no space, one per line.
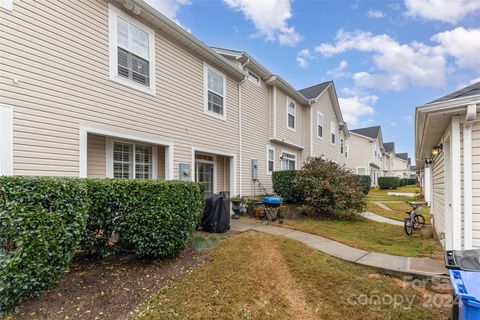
(333,133)
(6,140)
(128,160)
(342,146)
(319,125)
(132,51)
(288,161)
(362,171)
(215,83)
(270,159)
(346,151)
(253,77)
(291,114)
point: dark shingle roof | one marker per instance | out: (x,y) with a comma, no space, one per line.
(371,132)
(314,91)
(403,156)
(389,146)
(471,90)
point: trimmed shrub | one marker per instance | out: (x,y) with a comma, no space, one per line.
(388,182)
(285,186)
(366,182)
(151,218)
(41,221)
(330,189)
(408,182)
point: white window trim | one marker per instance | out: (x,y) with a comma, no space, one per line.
(269,147)
(113,13)
(342,149)
(109,147)
(6,140)
(323,127)
(333,125)
(347,153)
(294,129)
(367,173)
(289,152)
(6,4)
(251,79)
(85,130)
(206,67)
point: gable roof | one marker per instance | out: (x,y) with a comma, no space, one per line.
(471,90)
(389,146)
(371,132)
(403,156)
(314,91)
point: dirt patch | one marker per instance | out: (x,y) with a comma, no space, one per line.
(110,288)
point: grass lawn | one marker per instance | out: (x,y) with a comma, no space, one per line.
(372,236)
(259,276)
(399,210)
(382,195)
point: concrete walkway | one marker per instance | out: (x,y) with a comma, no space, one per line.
(393,265)
(382,205)
(378,218)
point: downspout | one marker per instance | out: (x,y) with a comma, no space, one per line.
(274,111)
(467,176)
(311,128)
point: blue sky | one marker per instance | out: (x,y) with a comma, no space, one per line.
(385,57)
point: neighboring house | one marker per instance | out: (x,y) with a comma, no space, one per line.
(116,89)
(388,158)
(366,152)
(447,150)
(401,166)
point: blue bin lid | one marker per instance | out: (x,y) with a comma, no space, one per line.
(466,284)
(272,200)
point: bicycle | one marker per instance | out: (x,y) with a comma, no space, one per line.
(415,220)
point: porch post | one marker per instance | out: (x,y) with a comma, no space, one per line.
(83,147)
(467,177)
(169,151)
(456,186)
(426,184)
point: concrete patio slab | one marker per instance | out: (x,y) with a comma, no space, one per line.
(427,265)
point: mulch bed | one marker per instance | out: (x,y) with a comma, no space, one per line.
(111,288)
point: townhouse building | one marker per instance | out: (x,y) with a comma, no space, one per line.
(115,89)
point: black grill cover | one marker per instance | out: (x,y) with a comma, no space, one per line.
(216,215)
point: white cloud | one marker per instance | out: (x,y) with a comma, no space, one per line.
(355,107)
(442,10)
(339,71)
(270,18)
(399,64)
(375,13)
(169,8)
(463,44)
(303,57)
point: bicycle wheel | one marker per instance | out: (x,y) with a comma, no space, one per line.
(419,221)
(408,226)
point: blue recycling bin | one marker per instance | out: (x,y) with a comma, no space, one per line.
(466,286)
(464,271)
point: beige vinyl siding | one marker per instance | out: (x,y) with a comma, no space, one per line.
(361,152)
(438,192)
(324,146)
(96,156)
(62,88)
(295,137)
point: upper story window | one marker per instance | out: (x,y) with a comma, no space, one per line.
(342,147)
(253,77)
(291,114)
(333,131)
(270,160)
(346,151)
(215,92)
(132,51)
(319,125)
(288,161)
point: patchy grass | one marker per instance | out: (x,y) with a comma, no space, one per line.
(370,235)
(259,276)
(382,195)
(398,212)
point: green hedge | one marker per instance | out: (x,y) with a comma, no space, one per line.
(388,182)
(41,221)
(408,182)
(365,181)
(285,186)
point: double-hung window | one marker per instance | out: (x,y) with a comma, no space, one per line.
(132,160)
(346,151)
(288,161)
(342,147)
(320,125)
(132,54)
(333,131)
(215,83)
(270,160)
(291,114)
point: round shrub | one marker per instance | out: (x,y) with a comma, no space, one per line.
(285,185)
(330,189)
(41,220)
